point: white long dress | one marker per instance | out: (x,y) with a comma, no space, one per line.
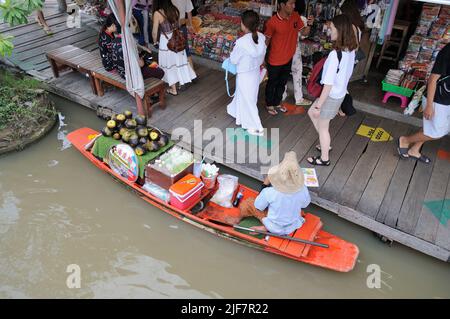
(248,58)
(175,65)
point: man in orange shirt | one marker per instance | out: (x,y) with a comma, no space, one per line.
(282,36)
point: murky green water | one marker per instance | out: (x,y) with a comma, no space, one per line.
(57,209)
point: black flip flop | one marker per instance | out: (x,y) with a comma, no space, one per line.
(402,151)
(422,158)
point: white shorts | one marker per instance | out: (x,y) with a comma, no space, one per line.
(439,125)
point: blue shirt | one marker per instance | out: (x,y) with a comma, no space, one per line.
(284,215)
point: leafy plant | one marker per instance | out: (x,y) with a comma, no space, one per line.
(15,12)
(23,105)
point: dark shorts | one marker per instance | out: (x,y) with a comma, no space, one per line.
(184,29)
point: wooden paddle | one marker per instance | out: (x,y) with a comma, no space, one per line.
(281,236)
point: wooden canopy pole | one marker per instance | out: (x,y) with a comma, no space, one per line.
(139,102)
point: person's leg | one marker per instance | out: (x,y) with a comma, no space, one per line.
(146,28)
(140,20)
(324,138)
(314,118)
(41,20)
(248,209)
(283,77)
(273,74)
(325,142)
(297,71)
(414,142)
(173,90)
(432,129)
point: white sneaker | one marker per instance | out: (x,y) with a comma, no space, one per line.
(255,132)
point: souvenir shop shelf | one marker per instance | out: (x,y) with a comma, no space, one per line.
(431,35)
(214,36)
(218,26)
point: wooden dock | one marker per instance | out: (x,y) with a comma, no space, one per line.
(405,201)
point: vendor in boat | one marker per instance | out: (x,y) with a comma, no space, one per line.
(278,206)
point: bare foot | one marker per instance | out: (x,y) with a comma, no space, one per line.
(258,228)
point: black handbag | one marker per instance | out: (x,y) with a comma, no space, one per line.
(360,55)
(347,105)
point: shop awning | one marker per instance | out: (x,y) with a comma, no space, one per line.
(447,2)
(134,81)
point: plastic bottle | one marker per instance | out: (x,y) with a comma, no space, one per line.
(238,199)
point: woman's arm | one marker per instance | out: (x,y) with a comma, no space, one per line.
(355,30)
(324,95)
(431,91)
(156,21)
(235,54)
(189,20)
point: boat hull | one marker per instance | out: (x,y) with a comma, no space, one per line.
(340,256)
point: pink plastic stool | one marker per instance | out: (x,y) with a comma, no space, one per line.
(404,99)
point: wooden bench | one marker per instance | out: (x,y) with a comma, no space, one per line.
(90,64)
(151,86)
(75,58)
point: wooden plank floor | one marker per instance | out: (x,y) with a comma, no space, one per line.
(366,182)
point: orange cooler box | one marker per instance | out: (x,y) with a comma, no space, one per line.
(186,192)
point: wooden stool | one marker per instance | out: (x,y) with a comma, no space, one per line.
(403,98)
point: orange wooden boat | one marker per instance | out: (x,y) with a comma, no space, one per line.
(339,256)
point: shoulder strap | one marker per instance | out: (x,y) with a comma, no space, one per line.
(160,25)
(228,86)
(339,56)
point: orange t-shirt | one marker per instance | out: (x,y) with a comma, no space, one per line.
(283,34)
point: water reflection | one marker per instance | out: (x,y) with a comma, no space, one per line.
(139,276)
(9,210)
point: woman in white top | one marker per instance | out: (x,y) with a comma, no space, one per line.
(335,77)
(175,64)
(248,55)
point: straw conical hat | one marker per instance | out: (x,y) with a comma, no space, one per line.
(287,177)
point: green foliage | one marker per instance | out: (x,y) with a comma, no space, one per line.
(6,45)
(21,105)
(15,12)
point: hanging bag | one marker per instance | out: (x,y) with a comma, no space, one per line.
(313,85)
(229,67)
(347,105)
(177,42)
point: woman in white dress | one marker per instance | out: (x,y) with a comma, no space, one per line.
(248,55)
(175,64)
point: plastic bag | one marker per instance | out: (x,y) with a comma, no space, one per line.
(227,186)
(157,191)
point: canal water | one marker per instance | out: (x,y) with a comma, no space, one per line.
(58,210)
